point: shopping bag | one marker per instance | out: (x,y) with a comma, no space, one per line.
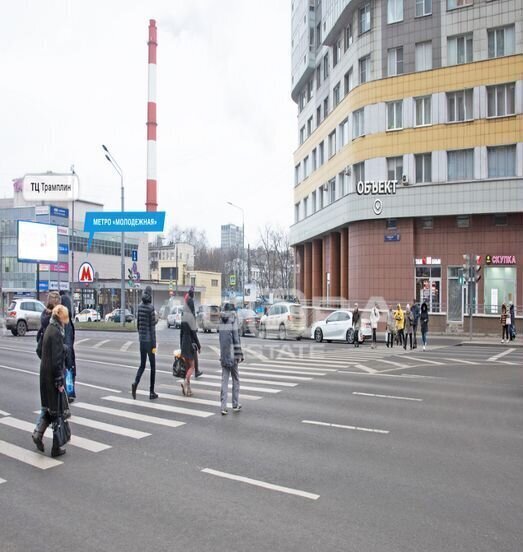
(179,369)
(69,383)
(61,429)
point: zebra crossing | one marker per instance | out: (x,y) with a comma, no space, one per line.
(115,415)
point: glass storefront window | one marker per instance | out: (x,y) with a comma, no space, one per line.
(428,287)
(500,287)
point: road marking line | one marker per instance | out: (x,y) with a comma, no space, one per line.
(2,413)
(365,368)
(252,352)
(82,341)
(263,484)
(288,353)
(130,415)
(159,406)
(260,368)
(181,398)
(107,363)
(290,366)
(19,370)
(386,396)
(311,362)
(2,481)
(100,343)
(246,387)
(398,364)
(28,457)
(426,360)
(495,357)
(80,442)
(126,346)
(340,426)
(460,360)
(102,426)
(248,380)
(215,349)
(259,372)
(381,374)
(209,392)
(507,362)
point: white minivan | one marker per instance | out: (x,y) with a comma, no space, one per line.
(284,320)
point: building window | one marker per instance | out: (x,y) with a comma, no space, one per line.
(501,100)
(214,283)
(313,202)
(344,132)
(501,42)
(306,167)
(321,150)
(296,212)
(463,221)
(326,66)
(453,4)
(348,81)
(428,286)
(423,167)
(395,61)
(395,168)
(358,123)
(364,65)
(395,115)
(391,224)
(310,86)
(319,197)
(500,220)
(314,160)
(459,49)
(501,161)
(427,223)
(348,37)
(500,287)
(318,76)
(309,126)
(332,190)
(336,53)
(302,134)
(297,174)
(394,11)
(318,35)
(325,107)
(460,164)
(423,107)
(423,7)
(364,18)
(342,181)
(423,58)
(336,95)
(318,116)
(358,172)
(459,105)
(305,207)
(332,143)
(301,101)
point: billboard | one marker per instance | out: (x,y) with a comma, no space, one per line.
(37,242)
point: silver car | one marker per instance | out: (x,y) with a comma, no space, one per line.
(23,315)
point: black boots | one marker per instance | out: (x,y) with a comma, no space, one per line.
(37,440)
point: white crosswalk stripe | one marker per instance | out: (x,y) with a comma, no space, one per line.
(261,368)
(110,428)
(21,454)
(248,380)
(189,400)
(2,481)
(199,383)
(259,372)
(158,406)
(294,364)
(126,346)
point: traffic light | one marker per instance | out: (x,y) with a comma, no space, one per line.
(130,276)
(477,268)
(466,268)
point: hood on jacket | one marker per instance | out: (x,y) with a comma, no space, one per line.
(66,302)
(228,313)
(424,307)
(147,296)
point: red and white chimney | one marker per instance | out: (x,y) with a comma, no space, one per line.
(151,202)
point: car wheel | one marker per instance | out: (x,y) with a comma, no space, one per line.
(349,337)
(282,332)
(89,320)
(318,335)
(21,328)
(14,332)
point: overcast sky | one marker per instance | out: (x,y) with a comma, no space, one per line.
(74,76)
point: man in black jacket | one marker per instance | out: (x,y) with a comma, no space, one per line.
(146,324)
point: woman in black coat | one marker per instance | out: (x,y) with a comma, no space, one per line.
(51,376)
(189,342)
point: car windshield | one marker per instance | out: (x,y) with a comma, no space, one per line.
(12,306)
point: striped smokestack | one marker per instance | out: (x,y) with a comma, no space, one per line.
(151,202)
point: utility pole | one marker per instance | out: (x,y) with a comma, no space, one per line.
(472,275)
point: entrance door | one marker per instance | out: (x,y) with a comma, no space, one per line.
(456,296)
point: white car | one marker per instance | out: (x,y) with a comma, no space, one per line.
(284,320)
(338,327)
(87,315)
(174,318)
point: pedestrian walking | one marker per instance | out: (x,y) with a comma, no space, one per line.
(504,326)
(391,328)
(51,377)
(53,299)
(374,319)
(415,313)
(424,321)
(189,342)
(70,357)
(512,315)
(230,356)
(356,324)
(146,325)
(409,327)
(399,317)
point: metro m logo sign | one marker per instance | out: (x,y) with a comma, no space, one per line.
(86,273)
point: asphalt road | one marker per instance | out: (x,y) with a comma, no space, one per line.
(424,454)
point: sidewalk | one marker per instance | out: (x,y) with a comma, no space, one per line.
(477,339)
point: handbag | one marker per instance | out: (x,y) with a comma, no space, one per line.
(61,429)
(179,369)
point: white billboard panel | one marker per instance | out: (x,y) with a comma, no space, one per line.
(50,187)
(37,242)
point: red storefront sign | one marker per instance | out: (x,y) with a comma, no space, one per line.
(500,259)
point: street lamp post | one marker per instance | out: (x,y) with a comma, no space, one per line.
(117,168)
(242,273)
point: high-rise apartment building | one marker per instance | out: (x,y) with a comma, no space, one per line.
(231,237)
(410,155)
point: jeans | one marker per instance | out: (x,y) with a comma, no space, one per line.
(504,331)
(401,337)
(146,350)
(390,339)
(235,385)
(424,337)
(405,342)
(374,336)
(414,331)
